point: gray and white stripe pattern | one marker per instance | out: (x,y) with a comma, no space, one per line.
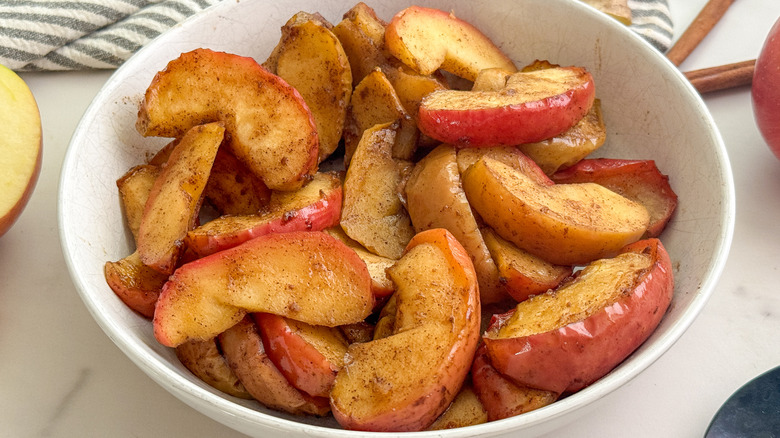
(101,34)
(83,34)
(652,20)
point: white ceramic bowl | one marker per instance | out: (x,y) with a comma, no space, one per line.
(650,110)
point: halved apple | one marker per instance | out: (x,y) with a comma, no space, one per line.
(309,356)
(567,339)
(435,199)
(313,207)
(243,349)
(437,323)
(137,285)
(638,180)
(310,57)
(428,39)
(372,212)
(533,106)
(270,127)
(205,360)
(305,275)
(21,147)
(500,396)
(174,201)
(564,224)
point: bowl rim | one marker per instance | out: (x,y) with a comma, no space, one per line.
(157,368)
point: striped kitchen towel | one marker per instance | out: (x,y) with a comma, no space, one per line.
(101,34)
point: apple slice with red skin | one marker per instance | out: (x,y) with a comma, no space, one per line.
(638,180)
(428,39)
(565,340)
(137,285)
(173,205)
(243,349)
(271,129)
(305,275)
(501,397)
(308,356)
(313,207)
(533,106)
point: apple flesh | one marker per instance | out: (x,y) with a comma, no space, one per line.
(305,275)
(20,147)
(566,339)
(765,91)
(436,327)
(205,360)
(428,39)
(533,106)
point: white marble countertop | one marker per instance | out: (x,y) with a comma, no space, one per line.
(60,376)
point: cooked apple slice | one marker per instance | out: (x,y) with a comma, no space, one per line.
(21,147)
(571,146)
(134,188)
(175,198)
(564,224)
(428,39)
(377,265)
(310,57)
(204,359)
(375,102)
(372,213)
(509,155)
(362,35)
(465,410)
(289,274)
(313,207)
(232,188)
(136,284)
(638,180)
(567,339)
(308,356)
(435,199)
(243,349)
(522,273)
(491,79)
(437,325)
(533,106)
(385,323)
(500,397)
(270,127)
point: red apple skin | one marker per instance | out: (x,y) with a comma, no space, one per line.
(304,366)
(638,180)
(572,357)
(765,90)
(317,216)
(501,397)
(509,125)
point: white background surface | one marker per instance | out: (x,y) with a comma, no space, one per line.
(60,376)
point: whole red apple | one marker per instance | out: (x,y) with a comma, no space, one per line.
(766,90)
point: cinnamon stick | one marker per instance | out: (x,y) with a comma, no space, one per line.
(722,77)
(698,29)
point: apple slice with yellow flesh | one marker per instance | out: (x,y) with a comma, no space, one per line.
(308,355)
(533,106)
(20,147)
(500,396)
(377,265)
(435,199)
(243,349)
(638,180)
(567,339)
(205,360)
(428,39)
(137,285)
(304,275)
(437,323)
(313,207)
(232,188)
(271,129)
(175,198)
(564,224)
(465,410)
(134,188)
